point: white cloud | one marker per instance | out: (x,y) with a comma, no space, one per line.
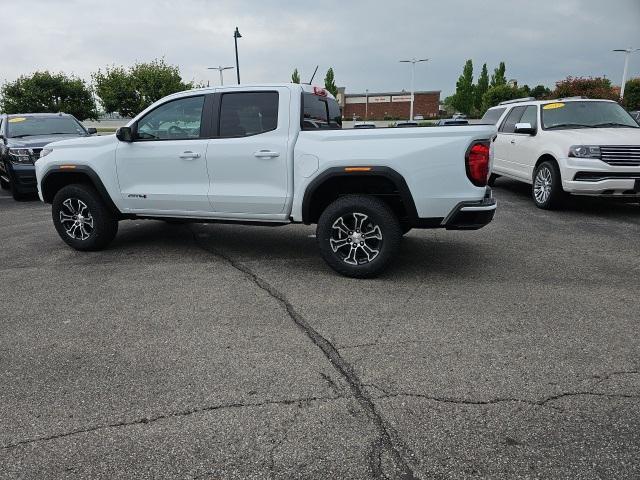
(541,42)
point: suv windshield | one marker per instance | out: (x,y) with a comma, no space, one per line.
(30,126)
(560,115)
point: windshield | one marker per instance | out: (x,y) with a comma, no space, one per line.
(30,126)
(560,115)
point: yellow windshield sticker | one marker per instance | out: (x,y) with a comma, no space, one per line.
(551,106)
(17,119)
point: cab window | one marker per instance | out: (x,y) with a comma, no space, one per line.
(179,119)
(244,114)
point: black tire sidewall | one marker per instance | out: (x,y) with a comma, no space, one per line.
(557,193)
(380,214)
(105,224)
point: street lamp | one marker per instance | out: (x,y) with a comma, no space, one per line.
(366,104)
(413,62)
(236,36)
(628,52)
(220,69)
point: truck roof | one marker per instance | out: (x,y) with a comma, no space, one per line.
(243,86)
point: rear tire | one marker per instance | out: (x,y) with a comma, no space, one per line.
(358,235)
(82,218)
(546,188)
(492,179)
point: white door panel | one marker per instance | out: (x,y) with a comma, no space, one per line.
(249,171)
(164,176)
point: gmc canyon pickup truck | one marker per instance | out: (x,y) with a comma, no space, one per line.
(271,155)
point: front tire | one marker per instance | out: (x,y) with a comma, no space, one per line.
(546,189)
(358,235)
(82,218)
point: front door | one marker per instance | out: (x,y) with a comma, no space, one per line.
(504,161)
(164,170)
(249,160)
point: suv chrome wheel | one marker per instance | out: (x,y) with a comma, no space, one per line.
(76,219)
(543,184)
(356,239)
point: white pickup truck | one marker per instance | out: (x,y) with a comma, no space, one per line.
(271,155)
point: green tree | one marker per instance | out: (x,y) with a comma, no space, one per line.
(481,87)
(463,100)
(330,83)
(129,91)
(540,92)
(590,87)
(498,77)
(501,93)
(46,92)
(295,76)
(632,94)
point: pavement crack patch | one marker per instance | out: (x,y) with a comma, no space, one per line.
(182,413)
(542,402)
(385,432)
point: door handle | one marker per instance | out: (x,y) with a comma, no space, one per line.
(189,154)
(266,154)
(513,142)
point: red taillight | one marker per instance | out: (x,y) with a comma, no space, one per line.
(477,163)
(321,92)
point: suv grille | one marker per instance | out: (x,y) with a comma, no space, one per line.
(624,155)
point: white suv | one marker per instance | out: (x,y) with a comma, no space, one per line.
(573,145)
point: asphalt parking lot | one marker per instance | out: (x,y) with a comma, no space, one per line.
(216,351)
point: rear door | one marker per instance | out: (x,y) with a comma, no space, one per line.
(248,160)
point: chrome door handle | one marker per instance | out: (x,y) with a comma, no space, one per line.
(266,154)
(189,154)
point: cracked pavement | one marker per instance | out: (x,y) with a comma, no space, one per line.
(217,351)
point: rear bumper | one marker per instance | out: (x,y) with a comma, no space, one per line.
(472,215)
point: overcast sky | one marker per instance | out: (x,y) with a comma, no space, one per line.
(541,41)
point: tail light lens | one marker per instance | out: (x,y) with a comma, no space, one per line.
(477,163)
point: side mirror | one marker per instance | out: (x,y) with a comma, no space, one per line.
(92,130)
(125,134)
(525,128)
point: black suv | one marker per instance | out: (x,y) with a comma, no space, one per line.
(22,137)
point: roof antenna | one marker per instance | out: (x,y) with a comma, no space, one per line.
(314,74)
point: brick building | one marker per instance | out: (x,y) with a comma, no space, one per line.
(378,106)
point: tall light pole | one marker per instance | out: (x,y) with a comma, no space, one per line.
(366,104)
(236,36)
(220,69)
(413,62)
(628,52)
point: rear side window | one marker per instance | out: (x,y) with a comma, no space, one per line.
(492,116)
(509,124)
(320,112)
(244,114)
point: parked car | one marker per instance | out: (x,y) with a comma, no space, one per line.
(365,125)
(445,122)
(407,123)
(22,137)
(243,154)
(567,146)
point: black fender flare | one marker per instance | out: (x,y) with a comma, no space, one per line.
(82,170)
(373,171)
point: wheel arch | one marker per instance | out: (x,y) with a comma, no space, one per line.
(545,157)
(383,182)
(56,179)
